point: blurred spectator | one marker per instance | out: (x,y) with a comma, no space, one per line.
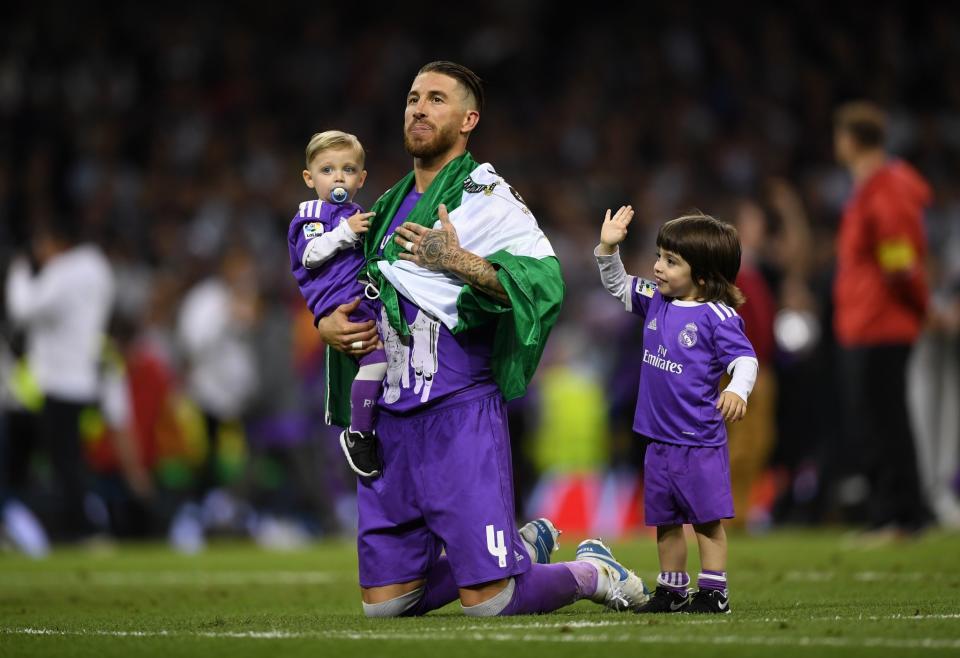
(214,329)
(881,299)
(63,307)
(933,374)
(751,439)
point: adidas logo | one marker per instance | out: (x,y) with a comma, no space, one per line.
(653,325)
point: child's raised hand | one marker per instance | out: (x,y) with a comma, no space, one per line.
(360,223)
(614,228)
(732,406)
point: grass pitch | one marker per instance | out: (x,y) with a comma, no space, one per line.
(792,594)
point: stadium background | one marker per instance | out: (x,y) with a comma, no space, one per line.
(174,136)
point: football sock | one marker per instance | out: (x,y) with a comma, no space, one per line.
(544,588)
(712,580)
(675,581)
(439,589)
(588,578)
(366,390)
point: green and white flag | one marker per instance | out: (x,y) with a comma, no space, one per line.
(491,221)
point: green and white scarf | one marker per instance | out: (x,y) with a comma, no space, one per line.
(492,221)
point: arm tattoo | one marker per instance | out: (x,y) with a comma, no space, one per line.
(441,252)
(479,273)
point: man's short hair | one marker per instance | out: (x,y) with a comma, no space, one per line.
(864,121)
(334,139)
(467,78)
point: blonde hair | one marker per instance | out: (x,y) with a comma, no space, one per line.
(333,139)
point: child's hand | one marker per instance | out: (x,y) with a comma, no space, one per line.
(360,223)
(732,406)
(614,229)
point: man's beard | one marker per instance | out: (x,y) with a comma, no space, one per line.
(443,140)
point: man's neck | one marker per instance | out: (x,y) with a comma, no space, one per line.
(424,170)
(866,164)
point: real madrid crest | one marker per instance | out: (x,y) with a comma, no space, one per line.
(688,336)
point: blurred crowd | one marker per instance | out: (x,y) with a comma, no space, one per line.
(173,141)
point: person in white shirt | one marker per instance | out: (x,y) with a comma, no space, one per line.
(63,307)
(214,333)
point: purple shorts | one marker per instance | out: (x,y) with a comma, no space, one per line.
(447,483)
(686,484)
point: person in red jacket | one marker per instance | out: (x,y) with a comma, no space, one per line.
(880,296)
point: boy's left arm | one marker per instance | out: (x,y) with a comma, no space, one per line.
(731,344)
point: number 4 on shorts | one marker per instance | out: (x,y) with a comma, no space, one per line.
(496,546)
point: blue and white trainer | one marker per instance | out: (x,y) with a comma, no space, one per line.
(540,538)
(618,588)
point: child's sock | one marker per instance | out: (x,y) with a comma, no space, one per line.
(675,581)
(366,389)
(712,580)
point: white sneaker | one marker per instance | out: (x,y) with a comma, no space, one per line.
(540,538)
(25,530)
(186,530)
(947,511)
(617,588)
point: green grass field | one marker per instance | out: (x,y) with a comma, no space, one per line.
(793,594)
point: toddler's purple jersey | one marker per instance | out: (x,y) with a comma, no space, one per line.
(687,346)
(334,281)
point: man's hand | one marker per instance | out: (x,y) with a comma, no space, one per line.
(360,223)
(439,250)
(353,338)
(429,247)
(732,406)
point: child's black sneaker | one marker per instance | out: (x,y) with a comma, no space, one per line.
(361,451)
(709,601)
(666,600)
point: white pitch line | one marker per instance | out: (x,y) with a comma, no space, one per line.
(144,578)
(626,621)
(858,576)
(887,618)
(499,636)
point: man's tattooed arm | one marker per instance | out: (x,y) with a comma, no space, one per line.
(439,250)
(476,271)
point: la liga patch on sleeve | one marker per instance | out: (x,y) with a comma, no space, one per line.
(645,288)
(312,230)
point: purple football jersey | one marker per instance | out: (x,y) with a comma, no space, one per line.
(333,282)
(687,346)
(431,364)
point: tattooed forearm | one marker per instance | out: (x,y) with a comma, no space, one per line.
(479,273)
(439,250)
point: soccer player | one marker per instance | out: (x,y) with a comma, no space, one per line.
(465,275)
(326,255)
(880,294)
(692,336)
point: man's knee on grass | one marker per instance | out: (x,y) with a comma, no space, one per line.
(492,606)
(399,606)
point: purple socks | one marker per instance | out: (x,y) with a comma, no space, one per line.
(438,590)
(712,580)
(366,390)
(546,587)
(675,581)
